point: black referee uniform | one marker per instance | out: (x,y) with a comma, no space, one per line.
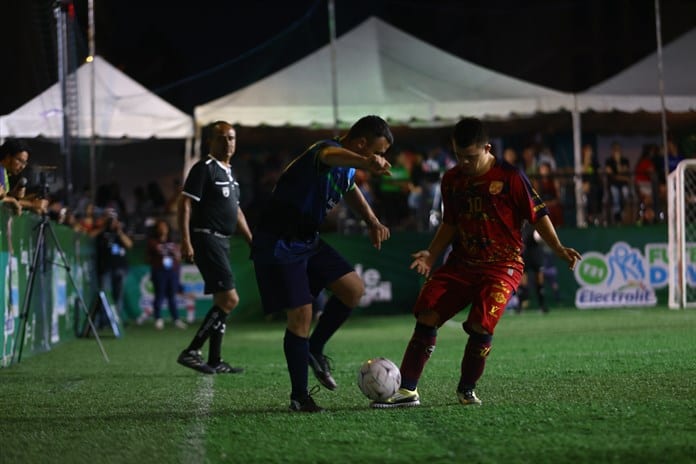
(215,201)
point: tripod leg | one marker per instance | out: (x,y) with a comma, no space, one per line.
(24,313)
(77,291)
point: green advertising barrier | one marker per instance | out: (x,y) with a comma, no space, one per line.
(390,286)
(621,266)
(51,310)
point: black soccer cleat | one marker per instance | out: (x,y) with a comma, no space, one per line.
(224,368)
(322,370)
(194,360)
(306,404)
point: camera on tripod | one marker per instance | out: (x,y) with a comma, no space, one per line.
(45,178)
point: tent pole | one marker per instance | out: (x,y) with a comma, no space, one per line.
(334,83)
(661,84)
(68,107)
(580,218)
(92,107)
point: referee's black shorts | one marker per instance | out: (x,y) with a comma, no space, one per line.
(212,256)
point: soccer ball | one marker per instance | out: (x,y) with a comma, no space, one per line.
(379,378)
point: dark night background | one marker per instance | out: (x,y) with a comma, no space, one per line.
(192,52)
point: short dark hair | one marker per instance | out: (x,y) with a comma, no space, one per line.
(371,127)
(470,131)
(221,122)
(13,146)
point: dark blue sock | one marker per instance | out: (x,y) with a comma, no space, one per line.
(334,315)
(214,315)
(297,355)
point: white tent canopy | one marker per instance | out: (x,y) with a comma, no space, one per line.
(385,71)
(124,108)
(636,88)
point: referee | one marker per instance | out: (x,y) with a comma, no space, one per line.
(208,214)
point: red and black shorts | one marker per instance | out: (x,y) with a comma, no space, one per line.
(452,288)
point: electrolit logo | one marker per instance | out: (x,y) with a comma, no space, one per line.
(375,289)
(622,277)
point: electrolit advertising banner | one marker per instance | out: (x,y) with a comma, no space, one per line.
(625,276)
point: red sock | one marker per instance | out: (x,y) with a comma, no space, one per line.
(474,361)
(417,353)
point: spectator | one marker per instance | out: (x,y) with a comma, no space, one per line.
(112,264)
(510,155)
(87,223)
(14,157)
(394,191)
(618,171)
(548,188)
(164,257)
(644,178)
(529,161)
(545,156)
(673,156)
(591,185)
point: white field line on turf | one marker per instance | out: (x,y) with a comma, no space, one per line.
(194,439)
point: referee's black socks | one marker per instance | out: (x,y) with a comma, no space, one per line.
(212,322)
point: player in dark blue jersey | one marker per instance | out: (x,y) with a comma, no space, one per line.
(293,264)
(208,214)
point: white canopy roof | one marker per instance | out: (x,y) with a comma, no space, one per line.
(385,71)
(636,88)
(124,108)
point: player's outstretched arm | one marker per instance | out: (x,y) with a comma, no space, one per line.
(357,203)
(339,156)
(424,260)
(545,228)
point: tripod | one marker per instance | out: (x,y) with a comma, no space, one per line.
(39,256)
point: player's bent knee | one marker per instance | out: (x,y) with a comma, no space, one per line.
(227,301)
(429,318)
(349,289)
(300,320)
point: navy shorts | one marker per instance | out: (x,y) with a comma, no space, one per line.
(291,274)
(212,256)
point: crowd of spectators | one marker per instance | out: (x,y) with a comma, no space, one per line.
(614,192)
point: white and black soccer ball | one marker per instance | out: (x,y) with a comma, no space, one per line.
(379,378)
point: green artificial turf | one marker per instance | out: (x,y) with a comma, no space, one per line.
(572,386)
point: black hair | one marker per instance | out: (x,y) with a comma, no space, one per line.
(371,127)
(211,127)
(13,146)
(470,131)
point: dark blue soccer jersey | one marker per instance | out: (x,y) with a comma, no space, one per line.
(215,196)
(304,194)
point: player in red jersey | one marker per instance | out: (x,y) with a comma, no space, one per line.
(486,201)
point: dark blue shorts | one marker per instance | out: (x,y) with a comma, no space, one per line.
(212,257)
(291,274)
